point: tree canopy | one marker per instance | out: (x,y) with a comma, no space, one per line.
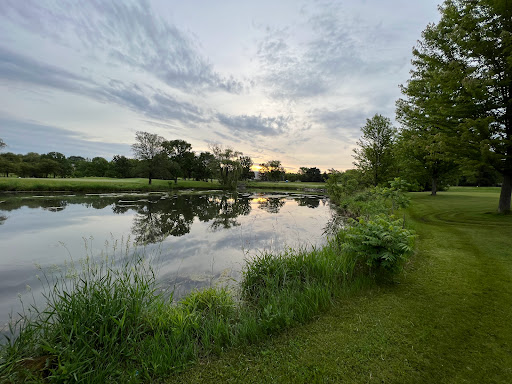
(460,89)
(147,148)
(374,155)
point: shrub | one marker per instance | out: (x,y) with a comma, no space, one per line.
(380,244)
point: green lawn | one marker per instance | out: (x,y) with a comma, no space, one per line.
(98,184)
(105,184)
(448,320)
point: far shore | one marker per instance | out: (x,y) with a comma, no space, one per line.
(105,184)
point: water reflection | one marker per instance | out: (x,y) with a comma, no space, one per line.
(161,215)
(173,216)
(199,237)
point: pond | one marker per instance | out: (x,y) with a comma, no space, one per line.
(199,237)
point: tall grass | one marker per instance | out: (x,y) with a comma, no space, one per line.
(105,322)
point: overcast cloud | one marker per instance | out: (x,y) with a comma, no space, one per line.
(293,81)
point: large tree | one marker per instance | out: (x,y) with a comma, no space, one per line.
(462,81)
(374,156)
(147,148)
(181,156)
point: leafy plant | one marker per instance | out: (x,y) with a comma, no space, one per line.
(380,244)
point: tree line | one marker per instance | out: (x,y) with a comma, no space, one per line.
(155,157)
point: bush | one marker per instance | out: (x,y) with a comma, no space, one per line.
(381,245)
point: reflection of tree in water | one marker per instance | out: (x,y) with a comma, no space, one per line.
(158,219)
(271,204)
(2,219)
(98,202)
(308,201)
(228,208)
(173,216)
(45,203)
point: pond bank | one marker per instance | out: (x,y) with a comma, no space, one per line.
(447,321)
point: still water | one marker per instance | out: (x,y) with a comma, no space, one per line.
(198,237)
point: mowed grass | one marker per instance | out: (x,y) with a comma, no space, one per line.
(99,184)
(105,184)
(447,320)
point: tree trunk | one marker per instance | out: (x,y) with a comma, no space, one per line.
(506,191)
(434,186)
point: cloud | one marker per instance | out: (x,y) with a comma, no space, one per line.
(16,68)
(151,102)
(154,103)
(343,124)
(255,125)
(26,136)
(337,51)
(124,34)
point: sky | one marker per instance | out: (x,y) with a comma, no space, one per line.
(284,80)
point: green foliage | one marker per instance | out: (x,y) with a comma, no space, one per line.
(382,244)
(228,166)
(272,171)
(310,174)
(346,193)
(341,185)
(246,163)
(458,100)
(374,157)
(395,193)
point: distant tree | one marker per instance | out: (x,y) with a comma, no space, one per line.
(310,174)
(75,159)
(98,167)
(46,166)
(2,144)
(180,152)
(272,170)
(247,172)
(29,165)
(9,163)
(205,166)
(146,149)
(64,169)
(228,166)
(120,167)
(374,155)
(293,177)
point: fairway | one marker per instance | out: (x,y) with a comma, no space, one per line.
(106,184)
(447,319)
(98,184)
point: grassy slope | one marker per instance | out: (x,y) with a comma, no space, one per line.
(96,184)
(448,321)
